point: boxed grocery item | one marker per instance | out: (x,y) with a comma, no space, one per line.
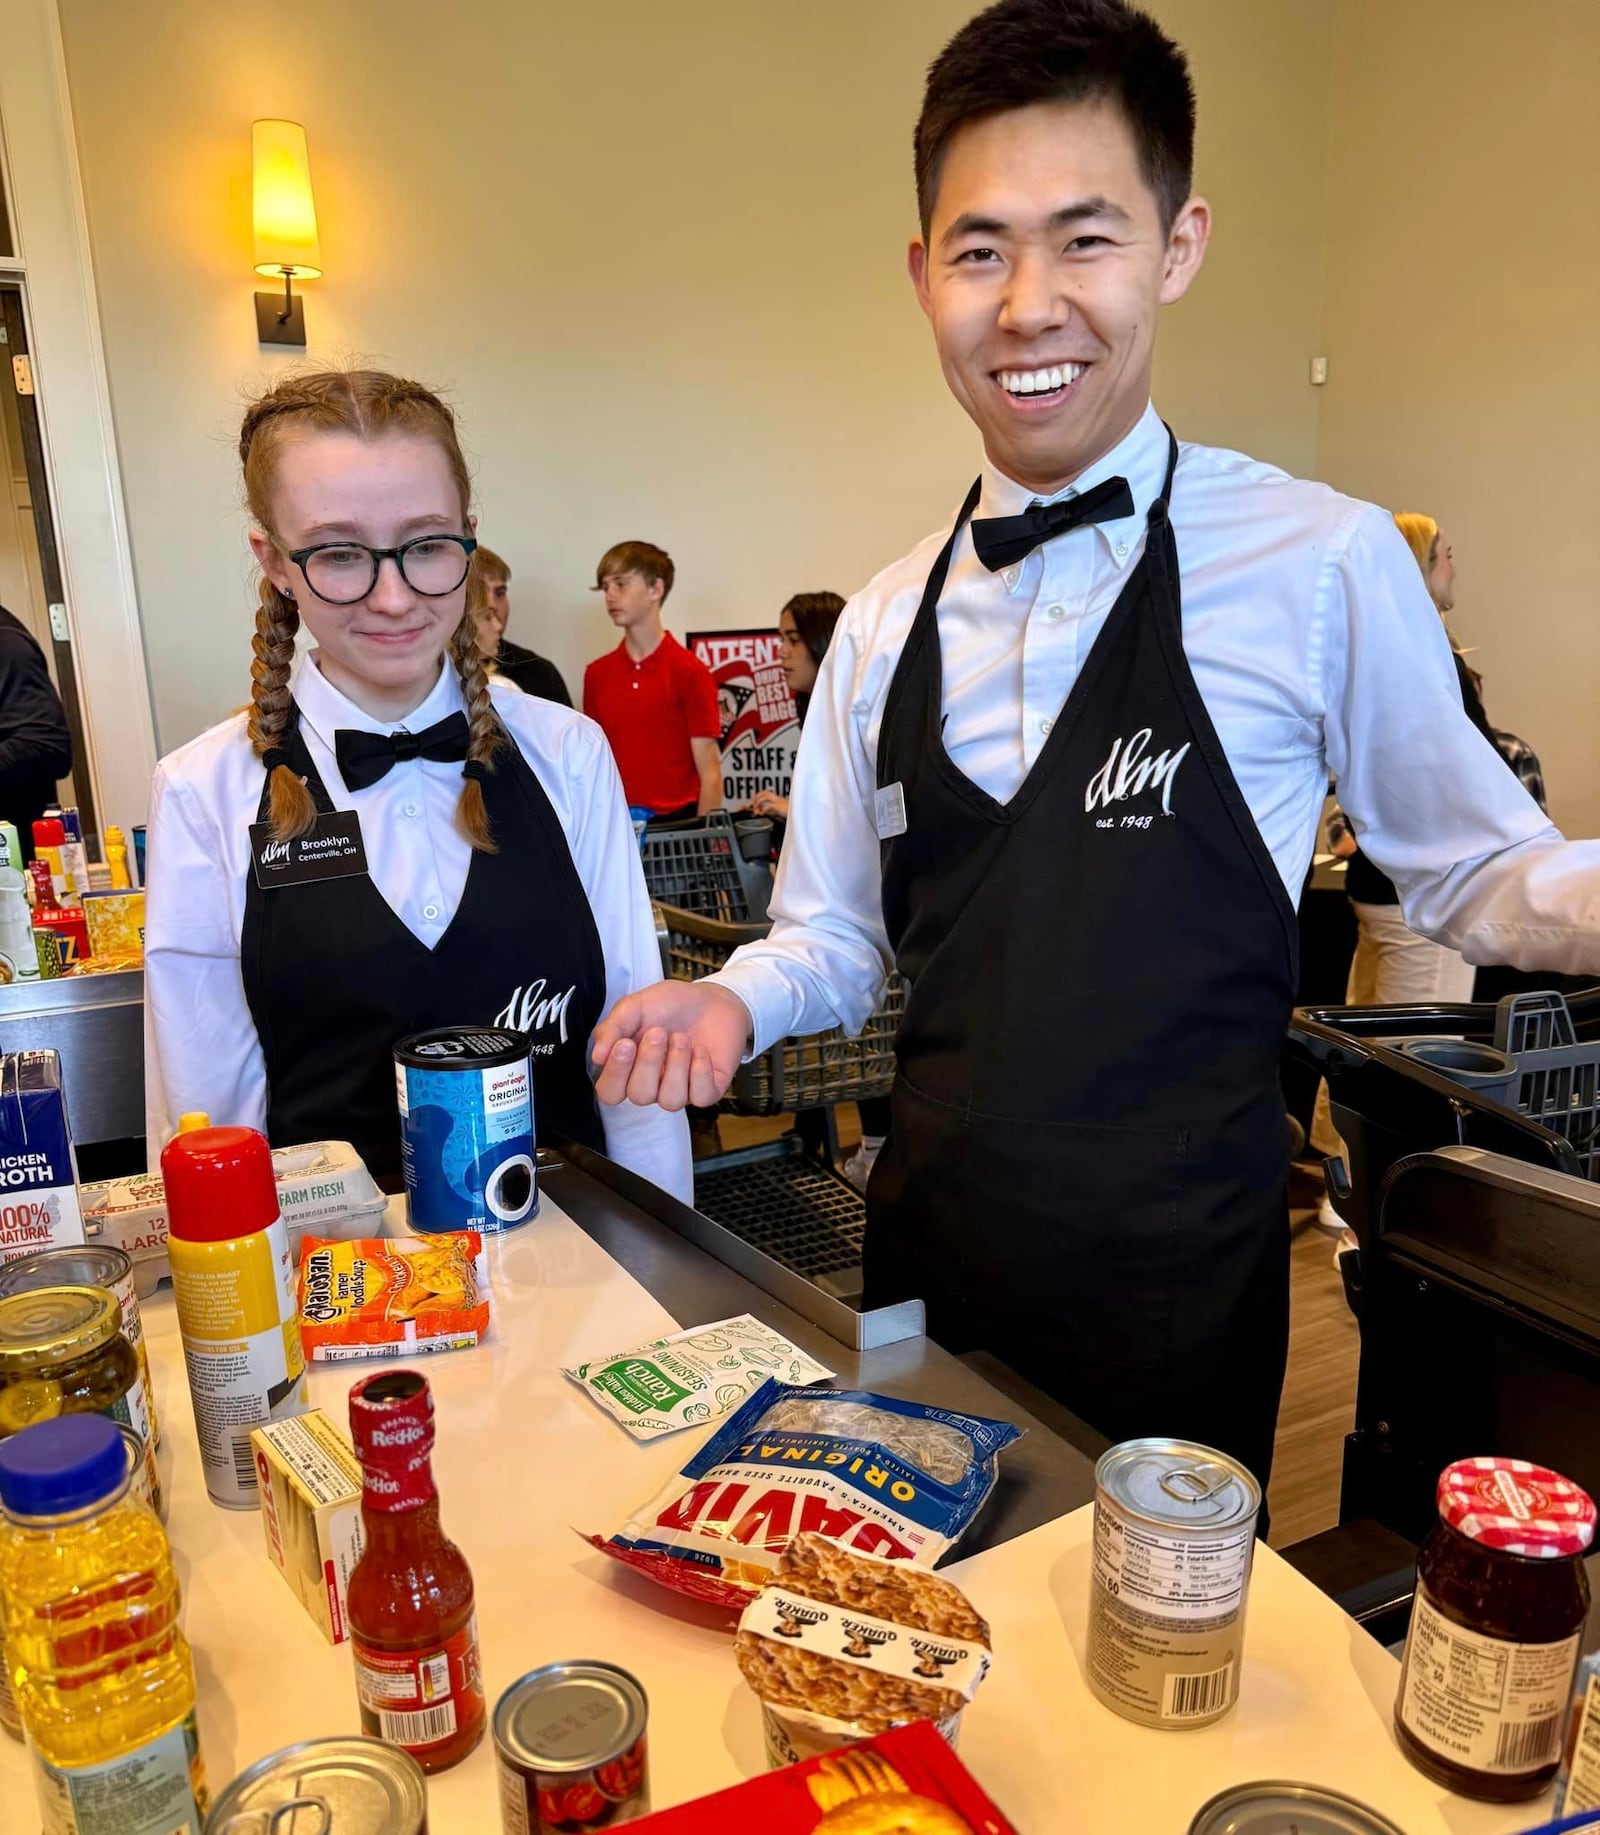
(311,1512)
(39,1202)
(392,1296)
(840,1646)
(323,1185)
(905,1780)
(116,924)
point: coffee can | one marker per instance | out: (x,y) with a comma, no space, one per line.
(569,1740)
(466,1128)
(1274,1807)
(1174,1537)
(349,1785)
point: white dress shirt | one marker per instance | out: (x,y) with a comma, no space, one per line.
(1317,650)
(201,1048)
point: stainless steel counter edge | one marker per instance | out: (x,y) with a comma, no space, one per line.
(661,1243)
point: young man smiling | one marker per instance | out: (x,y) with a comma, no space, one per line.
(1063,767)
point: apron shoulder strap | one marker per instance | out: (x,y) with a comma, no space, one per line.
(293,747)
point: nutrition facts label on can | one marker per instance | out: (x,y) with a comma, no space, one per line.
(1172,1577)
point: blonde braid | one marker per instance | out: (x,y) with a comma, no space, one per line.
(277,620)
(485,736)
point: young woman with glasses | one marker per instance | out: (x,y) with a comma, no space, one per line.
(385,840)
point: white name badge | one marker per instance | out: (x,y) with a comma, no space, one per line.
(890,809)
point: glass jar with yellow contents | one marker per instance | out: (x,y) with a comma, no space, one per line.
(63,1351)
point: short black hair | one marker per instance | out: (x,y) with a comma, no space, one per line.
(1023,52)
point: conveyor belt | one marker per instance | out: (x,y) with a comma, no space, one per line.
(798,1212)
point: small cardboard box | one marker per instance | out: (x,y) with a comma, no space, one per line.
(39,1207)
(311,1512)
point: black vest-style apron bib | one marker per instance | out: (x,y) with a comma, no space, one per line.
(1086,1172)
(333,977)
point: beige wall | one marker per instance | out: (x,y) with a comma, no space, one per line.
(656,252)
(1463,271)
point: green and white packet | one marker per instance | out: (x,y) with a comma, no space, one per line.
(693,1377)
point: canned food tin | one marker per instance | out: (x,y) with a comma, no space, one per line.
(139,1484)
(1273,1809)
(345,1786)
(466,1127)
(570,1743)
(1174,1535)
(90,1265)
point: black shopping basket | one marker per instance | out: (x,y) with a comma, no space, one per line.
(1521,1078)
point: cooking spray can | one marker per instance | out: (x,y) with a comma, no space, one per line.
(233,1278)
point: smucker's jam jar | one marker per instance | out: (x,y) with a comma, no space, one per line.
(1496,1629)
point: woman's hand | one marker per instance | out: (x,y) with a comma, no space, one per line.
(769,803)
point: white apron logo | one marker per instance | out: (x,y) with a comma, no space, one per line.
(275,851)
(530,1009)
(1127,773)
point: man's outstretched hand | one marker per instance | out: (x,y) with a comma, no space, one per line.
(675,1044)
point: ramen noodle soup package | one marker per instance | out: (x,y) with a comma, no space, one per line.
(905,1782)
(693,1377)
(392,1296)
(840,1646)
(879,1476)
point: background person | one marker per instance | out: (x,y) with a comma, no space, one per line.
(35,744)
(489,607)
(655,702)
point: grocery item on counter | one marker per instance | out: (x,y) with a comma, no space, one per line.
(839,1646)
(10,846)
(117,859)
(19,955)
(49,839)
(1306,1809)
(1174,1537)
(86,1574)
(692,1377)
(570,1748)
(879,1475)
(1578,1780)
(323,1186)
(69,927)
(74,855)
(904,1782)
(234,1288)
(1501,1590)
(48,950)
(466,1128)
(349,1784)
(419,1679)
(116,924)
(90,1265)
(311,1513)
(39,1207)
(63,1351)
(392,1296)
(142,1482)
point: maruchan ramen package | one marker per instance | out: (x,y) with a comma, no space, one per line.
(879,1476)
(392,1296)
(907,1782)
(694,1377)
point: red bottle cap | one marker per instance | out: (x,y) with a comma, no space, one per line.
(219,1184)
(1521,1508)
(48,832)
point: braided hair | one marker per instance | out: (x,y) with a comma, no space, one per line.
(366,403)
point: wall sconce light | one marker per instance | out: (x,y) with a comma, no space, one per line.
(285,227)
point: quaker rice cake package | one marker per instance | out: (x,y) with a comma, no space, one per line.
(39,1207)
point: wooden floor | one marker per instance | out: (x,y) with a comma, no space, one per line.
(1319,1392)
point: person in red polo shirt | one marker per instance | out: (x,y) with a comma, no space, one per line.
(656,703)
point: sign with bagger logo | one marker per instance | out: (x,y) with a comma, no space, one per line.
(331,849)
(760,723)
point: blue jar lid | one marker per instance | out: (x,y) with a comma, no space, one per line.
(55,1467)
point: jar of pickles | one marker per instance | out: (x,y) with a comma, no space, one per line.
(1496,1629)
(63,1351)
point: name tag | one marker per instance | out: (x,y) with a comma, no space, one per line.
(890,809)
(333,849)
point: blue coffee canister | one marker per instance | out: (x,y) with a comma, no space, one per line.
(466,1128)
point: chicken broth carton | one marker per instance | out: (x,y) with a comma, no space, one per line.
(39,1204)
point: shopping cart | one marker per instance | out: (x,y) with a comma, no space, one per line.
(719,866)
(1521,1078)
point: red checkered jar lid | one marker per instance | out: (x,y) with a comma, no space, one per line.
(1520,1508)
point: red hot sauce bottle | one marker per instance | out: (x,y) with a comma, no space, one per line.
(412,1625)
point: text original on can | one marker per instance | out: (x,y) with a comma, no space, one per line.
(350,1785)
(569,1740)
(466,1127)
(1174,1534)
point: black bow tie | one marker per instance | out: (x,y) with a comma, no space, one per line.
(364,758)
(1001,541)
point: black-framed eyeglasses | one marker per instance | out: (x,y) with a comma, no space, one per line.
(343,572)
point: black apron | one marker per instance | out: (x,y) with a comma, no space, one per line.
(1087,1169)
(334,978)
